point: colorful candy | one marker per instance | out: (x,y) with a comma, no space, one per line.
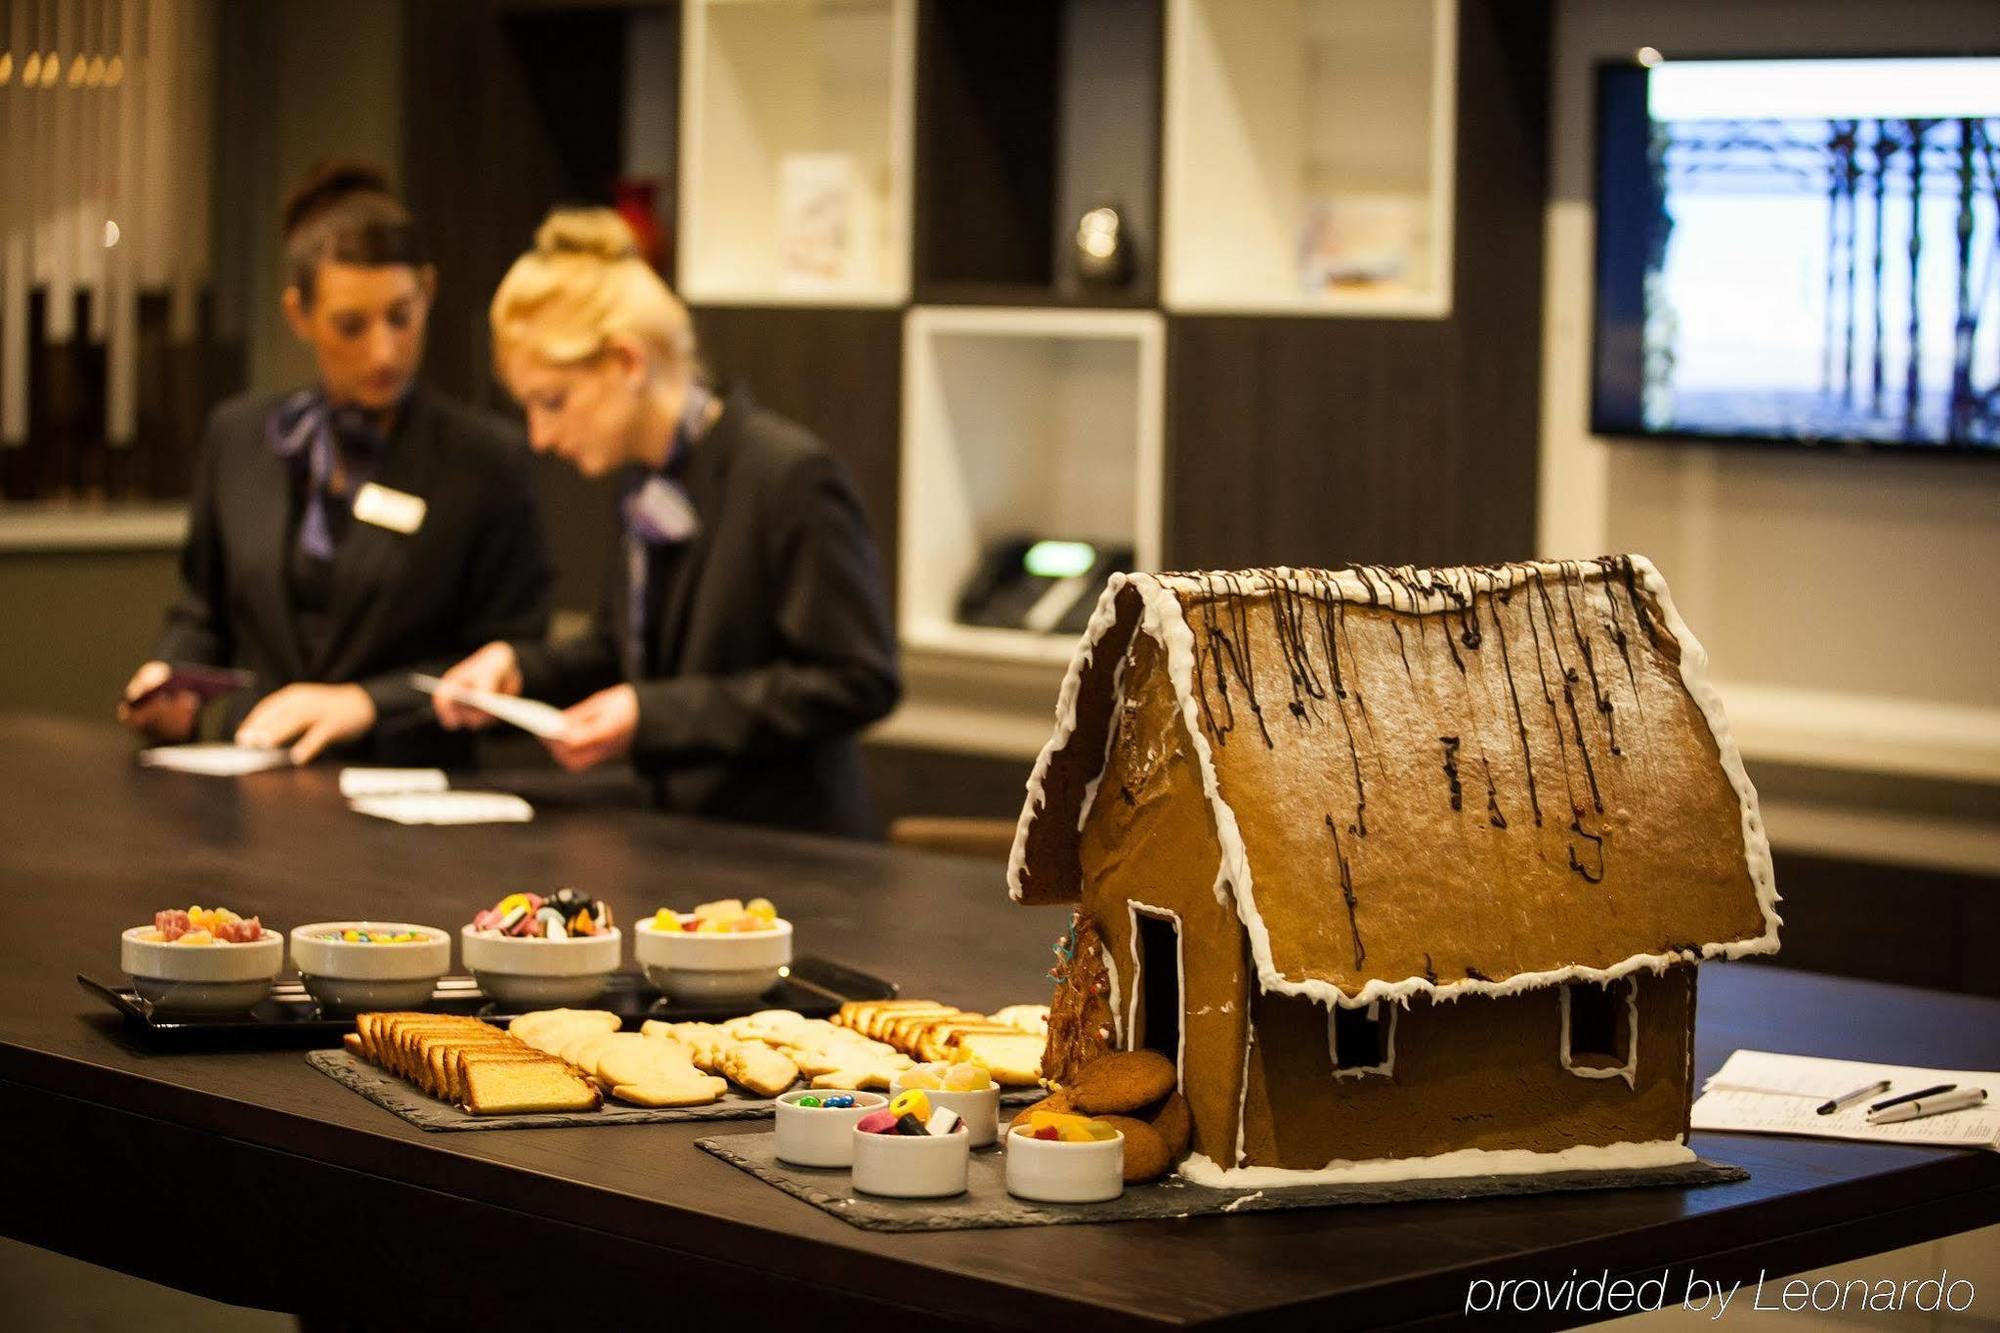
(842,1102)
(353,936)
(531,916)
(203,925)
(809,1101)
(724,916)
(914,1124)
(1056,1125)
(910,1101)
(940,1077)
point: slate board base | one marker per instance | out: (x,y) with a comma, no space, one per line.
(986,1202)
(425,1112)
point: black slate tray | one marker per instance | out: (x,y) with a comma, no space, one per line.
(986,1202)
(814,987)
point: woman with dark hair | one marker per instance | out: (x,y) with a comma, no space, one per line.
(346,534)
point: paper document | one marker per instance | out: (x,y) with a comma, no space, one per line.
(530,715)
(1756,1092)
(215,759)
(387,781)
(446,807)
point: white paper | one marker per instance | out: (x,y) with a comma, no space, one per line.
(446,807)
(387,781)
(1756,1092)
(530,715)
(217,759)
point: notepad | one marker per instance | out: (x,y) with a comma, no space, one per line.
(530,715)
(1757,1092)
(446,807)
(388,781)
(217,759)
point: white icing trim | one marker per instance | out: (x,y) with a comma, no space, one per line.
(1111,985)
(1162,617)
(1134,909)
(1756,846)
(1101,619)
(1461,1162)
(1243,1091)
(1387,1068)
(1629,1071)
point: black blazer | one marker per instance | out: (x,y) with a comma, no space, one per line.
(770,644)
(476,569)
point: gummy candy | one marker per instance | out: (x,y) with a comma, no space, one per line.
(1069,1128)
(877,1122)
(921,1076)
(911,1101)
(966,1078)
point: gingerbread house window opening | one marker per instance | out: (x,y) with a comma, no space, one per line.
(1154,1020)
(1600,1025)
(1362,1041)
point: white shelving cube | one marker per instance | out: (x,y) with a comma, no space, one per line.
(809,88)
(1321,127)
(1046,422)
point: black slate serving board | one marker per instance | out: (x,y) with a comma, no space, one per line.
(986,1202)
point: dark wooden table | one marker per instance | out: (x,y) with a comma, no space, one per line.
(251,1178)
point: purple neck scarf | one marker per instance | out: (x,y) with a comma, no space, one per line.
(658,512)
(306,422)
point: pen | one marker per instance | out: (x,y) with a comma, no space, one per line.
(1911,1096)
(1847,1099)
(1951,1101)
(1897,1101)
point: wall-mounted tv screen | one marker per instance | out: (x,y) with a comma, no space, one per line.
(1800,250)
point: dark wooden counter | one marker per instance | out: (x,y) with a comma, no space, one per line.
(251,1178)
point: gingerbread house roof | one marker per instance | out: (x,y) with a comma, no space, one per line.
(1444,781)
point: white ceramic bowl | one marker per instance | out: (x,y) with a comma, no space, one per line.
(911,1166)
(817,1135)
(541,973)
(201,978)
(343,974)
(723,967)
(979,1110)
(1056,1172)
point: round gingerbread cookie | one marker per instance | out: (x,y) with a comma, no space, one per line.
(1146,1156)
(1121,1082)
(1175,1124)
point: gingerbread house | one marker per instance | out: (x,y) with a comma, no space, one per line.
(1409,870)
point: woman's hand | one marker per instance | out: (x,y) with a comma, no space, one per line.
(308,718)
(599,728)
(168,716)
(494,668)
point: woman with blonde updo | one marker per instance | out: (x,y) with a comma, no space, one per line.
(744,636)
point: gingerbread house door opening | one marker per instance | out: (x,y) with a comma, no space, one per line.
(1156,1021)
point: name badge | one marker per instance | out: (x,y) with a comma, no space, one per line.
(398,511)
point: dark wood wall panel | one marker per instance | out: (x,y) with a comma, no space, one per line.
(839,372)
(987,78)
(510,111)
(1324,441)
